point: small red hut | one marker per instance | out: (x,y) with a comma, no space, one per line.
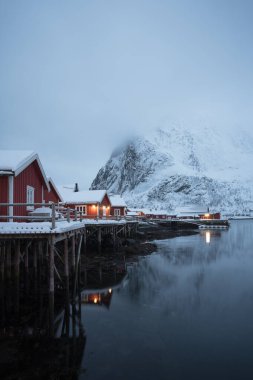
(91,203)
(118,205)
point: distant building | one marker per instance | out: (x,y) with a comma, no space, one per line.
(149,213)
(118,205)
(196,212)
(90,203)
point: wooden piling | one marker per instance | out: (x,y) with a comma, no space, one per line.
(8,260)
(16,275)
(51,286)
(17,259)
(73,254)
(99,238)
(66,274)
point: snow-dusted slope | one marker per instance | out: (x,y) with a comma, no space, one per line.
(173,167)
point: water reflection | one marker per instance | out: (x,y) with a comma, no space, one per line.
(98,298)
(38,342)
(27,349)
(185,313)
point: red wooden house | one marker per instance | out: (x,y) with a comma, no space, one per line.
(22,180)
(91,203)
(118,205)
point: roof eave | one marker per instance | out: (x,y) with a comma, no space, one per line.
(29,161)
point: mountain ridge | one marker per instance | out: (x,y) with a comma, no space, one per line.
(173,167)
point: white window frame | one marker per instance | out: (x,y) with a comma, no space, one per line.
(82,209)
(30,197)
(116,212)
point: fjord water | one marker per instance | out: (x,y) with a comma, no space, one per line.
(184,312)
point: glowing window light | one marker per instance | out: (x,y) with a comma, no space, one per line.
(208,237)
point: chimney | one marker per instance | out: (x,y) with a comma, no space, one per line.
(76,189)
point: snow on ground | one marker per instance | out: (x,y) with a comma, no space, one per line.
(46,227)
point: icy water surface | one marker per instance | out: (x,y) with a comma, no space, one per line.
(185,312)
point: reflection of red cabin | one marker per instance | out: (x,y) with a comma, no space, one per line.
(91,203)
(118,205)
(22,180)
(98,298)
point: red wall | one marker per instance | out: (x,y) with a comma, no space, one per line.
(31,176)
(51,196)
(122,210)
(3,195)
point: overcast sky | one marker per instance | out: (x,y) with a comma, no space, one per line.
(78,77)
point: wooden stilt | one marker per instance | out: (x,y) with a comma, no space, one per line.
(84,240)
(2,259)
(17,259)
(16,275)
(77,265)
(51,287)
(8,260)
(73,254)
(66,274)
(99,238)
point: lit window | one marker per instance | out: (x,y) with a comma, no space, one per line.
(82,209)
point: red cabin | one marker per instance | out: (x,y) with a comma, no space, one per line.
(22,180)
(118,205)
(91,203)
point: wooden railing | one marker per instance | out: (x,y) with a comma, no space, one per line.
(58,213)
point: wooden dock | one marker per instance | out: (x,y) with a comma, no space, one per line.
(193,223)
(57,245)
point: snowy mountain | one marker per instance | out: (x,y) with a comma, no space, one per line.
(173,167)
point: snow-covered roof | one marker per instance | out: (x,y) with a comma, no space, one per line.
(192,209)
(12,160)
(15,161)
(132,213)
(117,201)
(87,196)
(148,211)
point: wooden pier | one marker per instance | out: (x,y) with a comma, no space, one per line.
(58,246)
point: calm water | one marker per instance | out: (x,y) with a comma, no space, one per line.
(185,312)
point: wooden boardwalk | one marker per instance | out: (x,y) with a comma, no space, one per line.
(57,245)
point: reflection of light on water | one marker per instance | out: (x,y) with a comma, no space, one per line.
(95,300)
(208,237)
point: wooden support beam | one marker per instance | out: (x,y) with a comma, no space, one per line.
(66,259)
(51,286)
(17,259)
(66,275)
(35,259)
(99,238)
(84,240)
(73,254)
(77,265)
(2,259)
(8,260)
